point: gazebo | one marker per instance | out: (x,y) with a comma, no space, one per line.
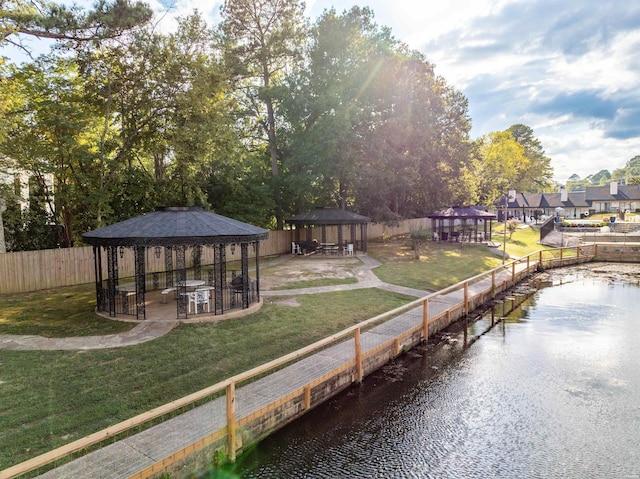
(459,223)
(165,237)
(331,216)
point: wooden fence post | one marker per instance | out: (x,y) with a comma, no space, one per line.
(231,421)
(307,397)
(425,320)
(359,370)
(493,284)
(466,297)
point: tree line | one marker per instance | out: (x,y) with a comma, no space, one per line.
(262,116)
(629,174)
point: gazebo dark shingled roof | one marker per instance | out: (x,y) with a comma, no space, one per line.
(175,226)
(328,216)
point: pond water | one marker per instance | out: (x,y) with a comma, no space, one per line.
(551,392)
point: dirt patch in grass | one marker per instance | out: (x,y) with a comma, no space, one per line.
(291,301)
(299,269)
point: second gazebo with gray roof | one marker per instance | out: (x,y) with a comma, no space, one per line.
(329,216)
(175,230)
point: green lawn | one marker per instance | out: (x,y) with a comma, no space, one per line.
(443,264)
(60,312)
(522,243)
(440,264)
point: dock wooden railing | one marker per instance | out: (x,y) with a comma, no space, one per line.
(439,310)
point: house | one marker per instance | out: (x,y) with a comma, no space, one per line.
(23,185)
(529,207)
(20,188)
(614,198)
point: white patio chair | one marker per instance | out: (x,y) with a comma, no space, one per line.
(349,250)
(295,248)
(199,297)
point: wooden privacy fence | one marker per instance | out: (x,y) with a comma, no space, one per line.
(359,350)
(26,271)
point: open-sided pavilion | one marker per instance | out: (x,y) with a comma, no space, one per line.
(330,216)
(180,235)
(462,223)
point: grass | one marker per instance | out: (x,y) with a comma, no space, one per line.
(49,398)
(440,264)
(443,264)
(60,312)
(522,242)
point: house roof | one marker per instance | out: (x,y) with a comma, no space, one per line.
(328,216)
(519,201)
(603,193)
(576,199)
(168,226)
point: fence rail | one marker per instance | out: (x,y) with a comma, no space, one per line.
(439,310)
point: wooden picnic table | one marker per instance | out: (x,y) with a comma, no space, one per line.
(332,248)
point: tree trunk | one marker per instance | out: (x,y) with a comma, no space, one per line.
(3,244)
(67,219)
(273,148)
(343,195)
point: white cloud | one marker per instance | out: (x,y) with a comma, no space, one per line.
(169,11)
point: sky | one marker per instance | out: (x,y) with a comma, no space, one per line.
(568,69)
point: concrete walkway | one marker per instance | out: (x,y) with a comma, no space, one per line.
(151,330)
(143,332)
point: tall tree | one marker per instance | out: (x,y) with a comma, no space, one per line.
(3,208)
(538,174)
(11,98)
(633,166)
(499,165)
(335,103)
(376,127)
(165,99)
(261,40)
(602,177)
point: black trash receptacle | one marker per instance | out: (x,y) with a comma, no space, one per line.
(445,236)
